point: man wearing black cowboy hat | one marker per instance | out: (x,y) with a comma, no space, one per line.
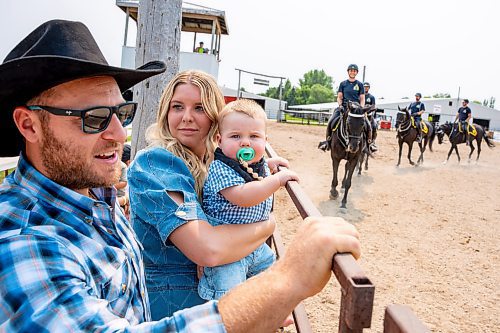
(69,260)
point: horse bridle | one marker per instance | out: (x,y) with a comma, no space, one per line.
(407,121)
(355,115)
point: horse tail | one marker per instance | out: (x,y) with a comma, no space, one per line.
(488,141)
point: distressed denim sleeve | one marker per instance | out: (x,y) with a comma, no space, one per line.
(153,174)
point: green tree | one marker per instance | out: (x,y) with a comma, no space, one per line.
(274,92)
(441,95)
(320,94)
(316,76)
(314,87)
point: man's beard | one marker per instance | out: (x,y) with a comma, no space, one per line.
(65,166)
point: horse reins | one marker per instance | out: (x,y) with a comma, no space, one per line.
(406,123)
(344,133)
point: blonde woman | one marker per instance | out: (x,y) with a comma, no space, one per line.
(166,181)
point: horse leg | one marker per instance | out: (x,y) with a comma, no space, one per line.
(478,141)
(421,157)
(472,148)
(456,151)
(333,189)
(424,147)
(400,151)
(449,154)
(347,165)
(347,183)
(366,162)
(360,164)
(410,147)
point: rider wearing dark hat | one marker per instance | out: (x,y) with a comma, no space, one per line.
(416,109)
(350,90)
(464,114)
(370,124)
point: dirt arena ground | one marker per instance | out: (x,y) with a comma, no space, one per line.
(430,234)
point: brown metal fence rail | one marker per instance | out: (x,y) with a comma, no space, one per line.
(357,290)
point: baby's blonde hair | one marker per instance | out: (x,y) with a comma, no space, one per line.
(246,106)
(212,101)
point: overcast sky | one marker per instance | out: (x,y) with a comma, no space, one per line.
(426,46)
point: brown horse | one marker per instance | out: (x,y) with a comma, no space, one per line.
(459,137)
(407,133)
(346,144)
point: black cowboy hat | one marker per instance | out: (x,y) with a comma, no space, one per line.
(58,51)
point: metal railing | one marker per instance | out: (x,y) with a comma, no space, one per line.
(358,292)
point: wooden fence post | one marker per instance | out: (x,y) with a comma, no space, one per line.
(158,38)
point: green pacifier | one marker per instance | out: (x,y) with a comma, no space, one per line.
(245,154)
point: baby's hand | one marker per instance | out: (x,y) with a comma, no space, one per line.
(285,175)
(275,162)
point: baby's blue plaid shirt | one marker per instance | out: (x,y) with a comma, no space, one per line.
(69,263)
(219,209)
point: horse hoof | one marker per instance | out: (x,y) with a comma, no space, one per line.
(334,195)
(444,162)
(343,205)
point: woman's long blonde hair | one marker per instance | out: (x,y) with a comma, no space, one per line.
(159,134)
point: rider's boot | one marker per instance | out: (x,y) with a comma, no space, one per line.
(466,133)
(419,135)
(326,145)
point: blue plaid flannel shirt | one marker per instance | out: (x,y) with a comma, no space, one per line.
(219,209)
(69,263)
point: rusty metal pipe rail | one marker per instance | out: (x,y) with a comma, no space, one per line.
(357,290)
(400,319)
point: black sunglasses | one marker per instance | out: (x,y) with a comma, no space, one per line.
(95,119)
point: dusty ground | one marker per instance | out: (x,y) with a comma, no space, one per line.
(428,241)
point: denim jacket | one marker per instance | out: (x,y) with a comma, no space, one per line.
(170,276)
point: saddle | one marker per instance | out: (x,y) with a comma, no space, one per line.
(471,129)
(336,124)
(423,126)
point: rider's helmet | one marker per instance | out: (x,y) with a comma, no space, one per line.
(366,84)
(353,66)
(418,95)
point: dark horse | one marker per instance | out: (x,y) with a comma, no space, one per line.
(407,133)
(347,143)
(365,152)
(459,137)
